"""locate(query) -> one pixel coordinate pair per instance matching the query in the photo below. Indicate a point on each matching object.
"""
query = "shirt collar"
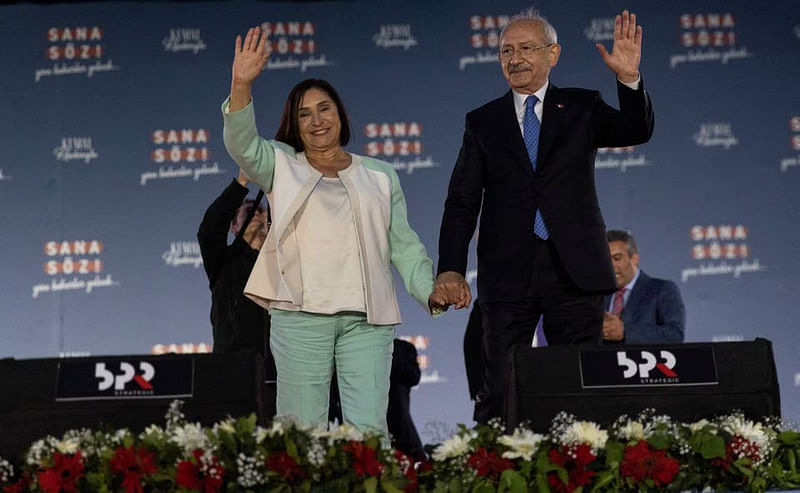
(519, 99)
(629, 286)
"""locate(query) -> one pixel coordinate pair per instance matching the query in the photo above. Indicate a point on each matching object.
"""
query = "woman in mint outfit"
(338, 225)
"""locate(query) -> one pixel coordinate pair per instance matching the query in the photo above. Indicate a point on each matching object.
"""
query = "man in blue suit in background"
(644, 309)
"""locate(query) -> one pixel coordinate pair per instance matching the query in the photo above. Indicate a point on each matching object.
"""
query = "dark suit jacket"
(653, 313)
(493, 176)
(405, 374)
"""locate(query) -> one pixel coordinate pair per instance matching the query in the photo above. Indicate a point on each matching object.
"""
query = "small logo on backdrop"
(429, 373)
(484, 39)
(601, 29)
(4, 176)
(112, 378)
(399, 143)
(620, 158)
(75, 149)
(180, 153)
(394, 36)
(182, 348)
(293, 46)
(73, 266)
(715, 134)
(184, 39)
(797, 31)
(797, 379)
(720, 250)
(709, 37)
(648, 367)
(664, 366)
(75, 50)
(182, 253)
(794, 144)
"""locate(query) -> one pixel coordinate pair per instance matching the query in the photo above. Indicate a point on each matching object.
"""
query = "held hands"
(626, 51)
(250, 56)
(613, 327)
(451, 289)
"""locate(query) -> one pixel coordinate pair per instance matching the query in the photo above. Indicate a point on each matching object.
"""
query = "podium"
(50, 396)
(599, 383)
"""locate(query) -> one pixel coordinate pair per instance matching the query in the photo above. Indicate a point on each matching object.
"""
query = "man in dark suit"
(526, 166)
(405, 374)
(644, 309)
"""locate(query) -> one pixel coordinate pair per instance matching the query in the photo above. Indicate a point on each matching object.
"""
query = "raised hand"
(249, 57)
(626, 52)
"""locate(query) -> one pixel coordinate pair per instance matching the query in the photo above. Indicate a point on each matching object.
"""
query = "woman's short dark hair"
(288, 131)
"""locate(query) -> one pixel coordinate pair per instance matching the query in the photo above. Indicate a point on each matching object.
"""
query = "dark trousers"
(571, 316)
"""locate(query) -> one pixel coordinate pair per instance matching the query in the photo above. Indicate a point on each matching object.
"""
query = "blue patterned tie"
(530, 134)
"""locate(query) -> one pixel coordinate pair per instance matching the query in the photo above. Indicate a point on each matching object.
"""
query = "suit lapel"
(554, 117)
(509, 128)
(639, 289)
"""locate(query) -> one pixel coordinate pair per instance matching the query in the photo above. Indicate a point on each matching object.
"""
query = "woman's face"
(318, 121)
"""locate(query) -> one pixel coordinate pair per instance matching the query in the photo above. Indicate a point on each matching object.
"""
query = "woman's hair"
(289, 133)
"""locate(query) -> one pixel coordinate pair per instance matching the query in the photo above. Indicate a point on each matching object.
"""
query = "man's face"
(624, 265)
(526, 72)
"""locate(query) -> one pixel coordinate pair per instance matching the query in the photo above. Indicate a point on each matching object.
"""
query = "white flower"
(699, 425)
(344, 432)
(585, 432)
(261, 434)
(455, 446)
(632, 430)
(523, 443)
(758, 436)
(68, 446)
(226, 426)
(189, 436)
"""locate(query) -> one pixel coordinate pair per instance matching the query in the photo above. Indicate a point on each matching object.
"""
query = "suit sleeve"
(462, 206)
(405, 368)
(212, 235)
(670, 318)
(631, 124)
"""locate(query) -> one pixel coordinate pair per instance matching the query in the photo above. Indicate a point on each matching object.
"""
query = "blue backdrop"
(111, 150)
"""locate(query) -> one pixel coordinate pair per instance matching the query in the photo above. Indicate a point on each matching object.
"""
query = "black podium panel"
(40, 397)
(720, 378)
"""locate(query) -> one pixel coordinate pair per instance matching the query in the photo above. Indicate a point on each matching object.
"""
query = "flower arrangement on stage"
(639, 454)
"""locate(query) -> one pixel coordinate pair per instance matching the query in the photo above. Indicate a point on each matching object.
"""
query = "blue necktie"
(530, 134)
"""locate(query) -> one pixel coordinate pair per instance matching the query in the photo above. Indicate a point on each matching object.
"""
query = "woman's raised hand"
(250, 56)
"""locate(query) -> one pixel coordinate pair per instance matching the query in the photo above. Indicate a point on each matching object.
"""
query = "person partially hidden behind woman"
(237, 323)
(338, 224)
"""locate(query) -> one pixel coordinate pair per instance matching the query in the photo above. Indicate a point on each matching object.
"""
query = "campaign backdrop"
(111, 150)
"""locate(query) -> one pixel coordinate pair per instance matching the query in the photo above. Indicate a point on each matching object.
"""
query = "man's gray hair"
(531, 14)
(625, 237)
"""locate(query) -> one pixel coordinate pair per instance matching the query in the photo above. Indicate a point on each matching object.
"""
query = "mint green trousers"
(307, 347)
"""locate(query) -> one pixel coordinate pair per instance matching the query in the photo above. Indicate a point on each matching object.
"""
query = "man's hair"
(625, 237)
(289, 132)
(241, 214)
(531, 14)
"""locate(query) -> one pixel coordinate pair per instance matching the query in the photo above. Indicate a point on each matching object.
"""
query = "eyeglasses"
(508, 52)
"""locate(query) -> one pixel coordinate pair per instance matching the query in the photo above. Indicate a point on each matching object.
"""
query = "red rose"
(365, 462)
(202, 474)
(20, 486)
(133, 465)
(575, 460)
(285, 465)
(64, 475)
(407, 466)
(488, 463)
(640, 462)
